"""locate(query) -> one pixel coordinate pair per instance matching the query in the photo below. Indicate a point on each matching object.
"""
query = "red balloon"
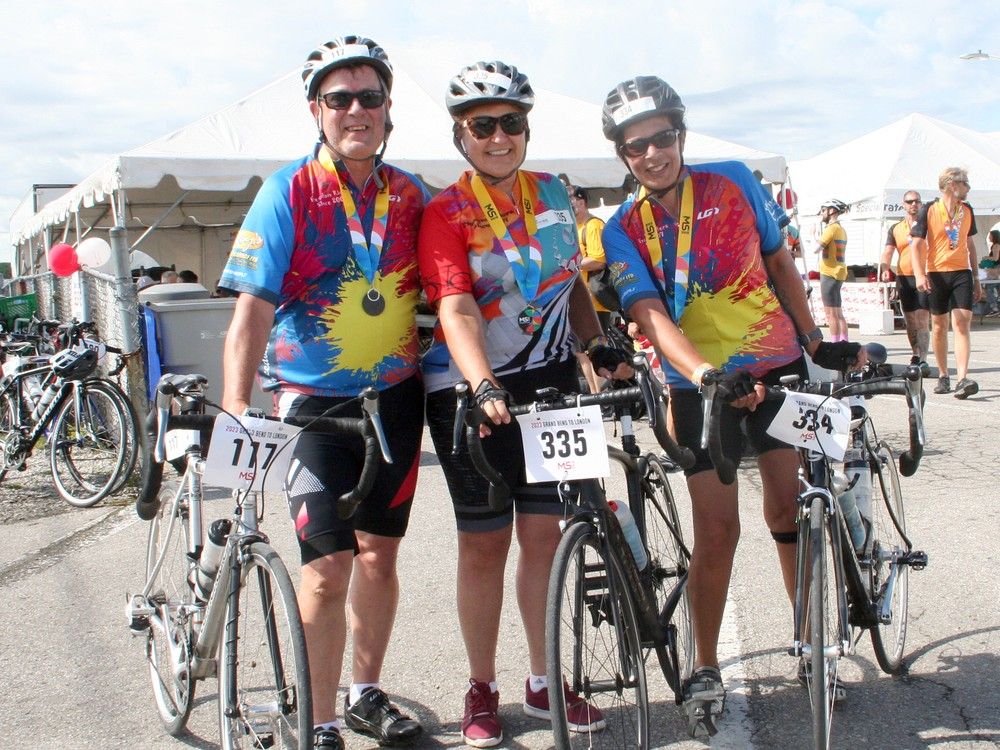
(787, 198)
(63, 260)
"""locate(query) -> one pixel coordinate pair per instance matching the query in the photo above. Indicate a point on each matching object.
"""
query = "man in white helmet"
(325, 268)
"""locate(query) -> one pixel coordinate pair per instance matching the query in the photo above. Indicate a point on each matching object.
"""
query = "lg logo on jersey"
(706, 213)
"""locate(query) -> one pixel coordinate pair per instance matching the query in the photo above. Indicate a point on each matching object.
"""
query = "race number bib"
(817, 423)
(176, 442)
(98, 347)
(564, 444)
(250, 456)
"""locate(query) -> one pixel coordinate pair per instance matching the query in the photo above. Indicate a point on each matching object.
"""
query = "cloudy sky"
(81, 83)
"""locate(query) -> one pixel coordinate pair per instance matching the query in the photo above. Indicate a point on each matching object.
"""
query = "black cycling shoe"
(327, 739)
(374, 716)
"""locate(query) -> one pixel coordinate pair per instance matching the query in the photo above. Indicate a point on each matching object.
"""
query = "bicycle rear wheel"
(168, 639)
(668, 565)
(889, 578)
(262, 660)
(821, 671)
(592, 642)
(132, 434)
(88, 448)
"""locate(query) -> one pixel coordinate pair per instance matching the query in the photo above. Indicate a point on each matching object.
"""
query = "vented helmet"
(638, 99)
(838, 206)
(346, 51)
(488, 83)
(73, 364)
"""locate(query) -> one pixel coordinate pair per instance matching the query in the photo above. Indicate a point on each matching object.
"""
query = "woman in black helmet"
(499, 258)
(702, 268)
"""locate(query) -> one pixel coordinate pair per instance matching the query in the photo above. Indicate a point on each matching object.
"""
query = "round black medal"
(530, 319)
(373, 302)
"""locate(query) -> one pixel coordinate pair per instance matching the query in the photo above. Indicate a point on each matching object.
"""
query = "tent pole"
(159, 220)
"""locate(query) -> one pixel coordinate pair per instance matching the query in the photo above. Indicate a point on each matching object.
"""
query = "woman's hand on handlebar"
(611, 362)
(492, 400)
(738, 389)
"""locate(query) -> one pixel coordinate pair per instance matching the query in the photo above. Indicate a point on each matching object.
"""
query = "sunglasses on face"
(911, 201)
(639, 146)
(483, 126)
(369, 99)
(961, 182)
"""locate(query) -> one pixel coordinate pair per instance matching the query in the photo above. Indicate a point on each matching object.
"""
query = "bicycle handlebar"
(548, 399)
(160, 420)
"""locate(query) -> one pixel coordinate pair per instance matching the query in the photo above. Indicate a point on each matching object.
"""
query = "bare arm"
(788, 286)
(591, 264)
(583, 320)
(886, 262)
(918, 250)
(977, 287)
(246, 341)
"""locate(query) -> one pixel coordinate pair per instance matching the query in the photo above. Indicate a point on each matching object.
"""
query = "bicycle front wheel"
(168, 639)
(264, 692)
(889, 578)
(132, 434)
(592, 643)
(668, 565)
(89, 445)
(821, 671)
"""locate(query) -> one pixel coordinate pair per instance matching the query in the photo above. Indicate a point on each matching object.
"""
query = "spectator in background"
(989, 269)
(144, 282)
(832, 268)
(944, 263)
(169, 277)
(188, 277)
(588, 230)
(912, 301)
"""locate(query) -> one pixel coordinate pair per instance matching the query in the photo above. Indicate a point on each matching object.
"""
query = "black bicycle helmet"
(487, 83)
(838, 206)
(72, 364)
(638, 99)
(345, 51)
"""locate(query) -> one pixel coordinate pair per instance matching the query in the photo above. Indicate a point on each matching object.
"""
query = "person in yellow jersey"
(832, 269)
(912, 301)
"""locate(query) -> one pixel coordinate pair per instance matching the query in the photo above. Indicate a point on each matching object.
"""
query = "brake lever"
(461, 408)
(369, 403)
(707, 403)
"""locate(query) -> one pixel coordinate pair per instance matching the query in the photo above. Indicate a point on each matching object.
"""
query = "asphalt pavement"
(71, 676)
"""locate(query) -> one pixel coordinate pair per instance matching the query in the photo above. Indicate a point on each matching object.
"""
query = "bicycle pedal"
(917, 559)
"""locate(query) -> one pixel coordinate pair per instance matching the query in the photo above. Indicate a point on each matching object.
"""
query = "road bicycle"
(845, 585)
(605, 613)
(83, 420)
(223, 604)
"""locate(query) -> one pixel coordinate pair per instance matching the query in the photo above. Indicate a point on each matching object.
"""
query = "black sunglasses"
(369, 99)
(639, 146)
(911, 201)
(483, 126)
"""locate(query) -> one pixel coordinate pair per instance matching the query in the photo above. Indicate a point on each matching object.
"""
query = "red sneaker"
(580, 715)
(481, 725)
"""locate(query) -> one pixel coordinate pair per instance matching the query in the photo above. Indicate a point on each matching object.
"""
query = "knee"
(376, 557)
(326, 580)
(780, 516)
(718, 536)
(483, 552)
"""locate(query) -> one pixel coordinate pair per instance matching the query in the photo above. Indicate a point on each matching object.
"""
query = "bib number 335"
(564, 444)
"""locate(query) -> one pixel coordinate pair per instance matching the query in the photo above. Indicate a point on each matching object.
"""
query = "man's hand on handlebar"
(840, 355)
(611, 362)
(492, 400)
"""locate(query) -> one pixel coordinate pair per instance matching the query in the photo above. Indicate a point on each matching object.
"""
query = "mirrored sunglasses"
(369, 99)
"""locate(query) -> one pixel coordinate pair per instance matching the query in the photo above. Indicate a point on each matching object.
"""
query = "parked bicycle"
(222, 603)
(853, 553)
(610, 605)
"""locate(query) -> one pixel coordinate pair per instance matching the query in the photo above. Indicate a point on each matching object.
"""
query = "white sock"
(538, 682)
(357, 688)
(335, 724)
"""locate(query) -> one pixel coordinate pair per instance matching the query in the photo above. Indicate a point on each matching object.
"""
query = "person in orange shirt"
(912, 301)
(944, 256)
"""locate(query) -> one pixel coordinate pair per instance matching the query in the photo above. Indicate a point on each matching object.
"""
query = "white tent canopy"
(202, 176)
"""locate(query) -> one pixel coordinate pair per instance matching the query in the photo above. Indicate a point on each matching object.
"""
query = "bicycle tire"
(264, 632)
(88, 450)
(669, 561)
(592, 641)
(132, 433)
(169, 637)
(889, 542)
(822, 673)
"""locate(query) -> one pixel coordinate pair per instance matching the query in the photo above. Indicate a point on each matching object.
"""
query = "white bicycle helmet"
(838, 206)
(487, 83)
(345, 51)
(74, 365)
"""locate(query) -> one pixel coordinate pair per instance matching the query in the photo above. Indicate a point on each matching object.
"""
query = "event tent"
(194, 185)
(872, 173)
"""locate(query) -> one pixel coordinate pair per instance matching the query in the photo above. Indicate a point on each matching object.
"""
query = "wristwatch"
(814, 335)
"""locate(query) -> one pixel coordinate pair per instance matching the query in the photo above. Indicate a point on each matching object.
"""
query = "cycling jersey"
(295, 250)
(834, 242)
(899, 238)
(946, 236)
(730, 313)
(459, 252)
(589, 234)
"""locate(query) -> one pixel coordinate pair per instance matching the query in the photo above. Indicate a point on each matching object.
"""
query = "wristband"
(699, 373)
(595, 341)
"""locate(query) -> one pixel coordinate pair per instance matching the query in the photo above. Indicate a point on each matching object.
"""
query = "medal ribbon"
(367, 254)
(526, 263)
(685, 232)
(952, 224)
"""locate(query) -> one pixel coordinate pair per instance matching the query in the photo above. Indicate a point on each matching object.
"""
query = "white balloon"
(93, 252)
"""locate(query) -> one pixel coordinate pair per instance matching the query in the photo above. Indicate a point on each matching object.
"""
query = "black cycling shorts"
(911, 299)
(326, 466)
(950, 290)
(829, 290)
(468, 489)
(685, 413)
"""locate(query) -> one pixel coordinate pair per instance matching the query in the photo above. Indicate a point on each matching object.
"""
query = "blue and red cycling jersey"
(730, 314)
(294, 250)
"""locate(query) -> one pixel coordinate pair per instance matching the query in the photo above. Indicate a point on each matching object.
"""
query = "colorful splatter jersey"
(294, 249)
(460, 253)
(731, 314)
